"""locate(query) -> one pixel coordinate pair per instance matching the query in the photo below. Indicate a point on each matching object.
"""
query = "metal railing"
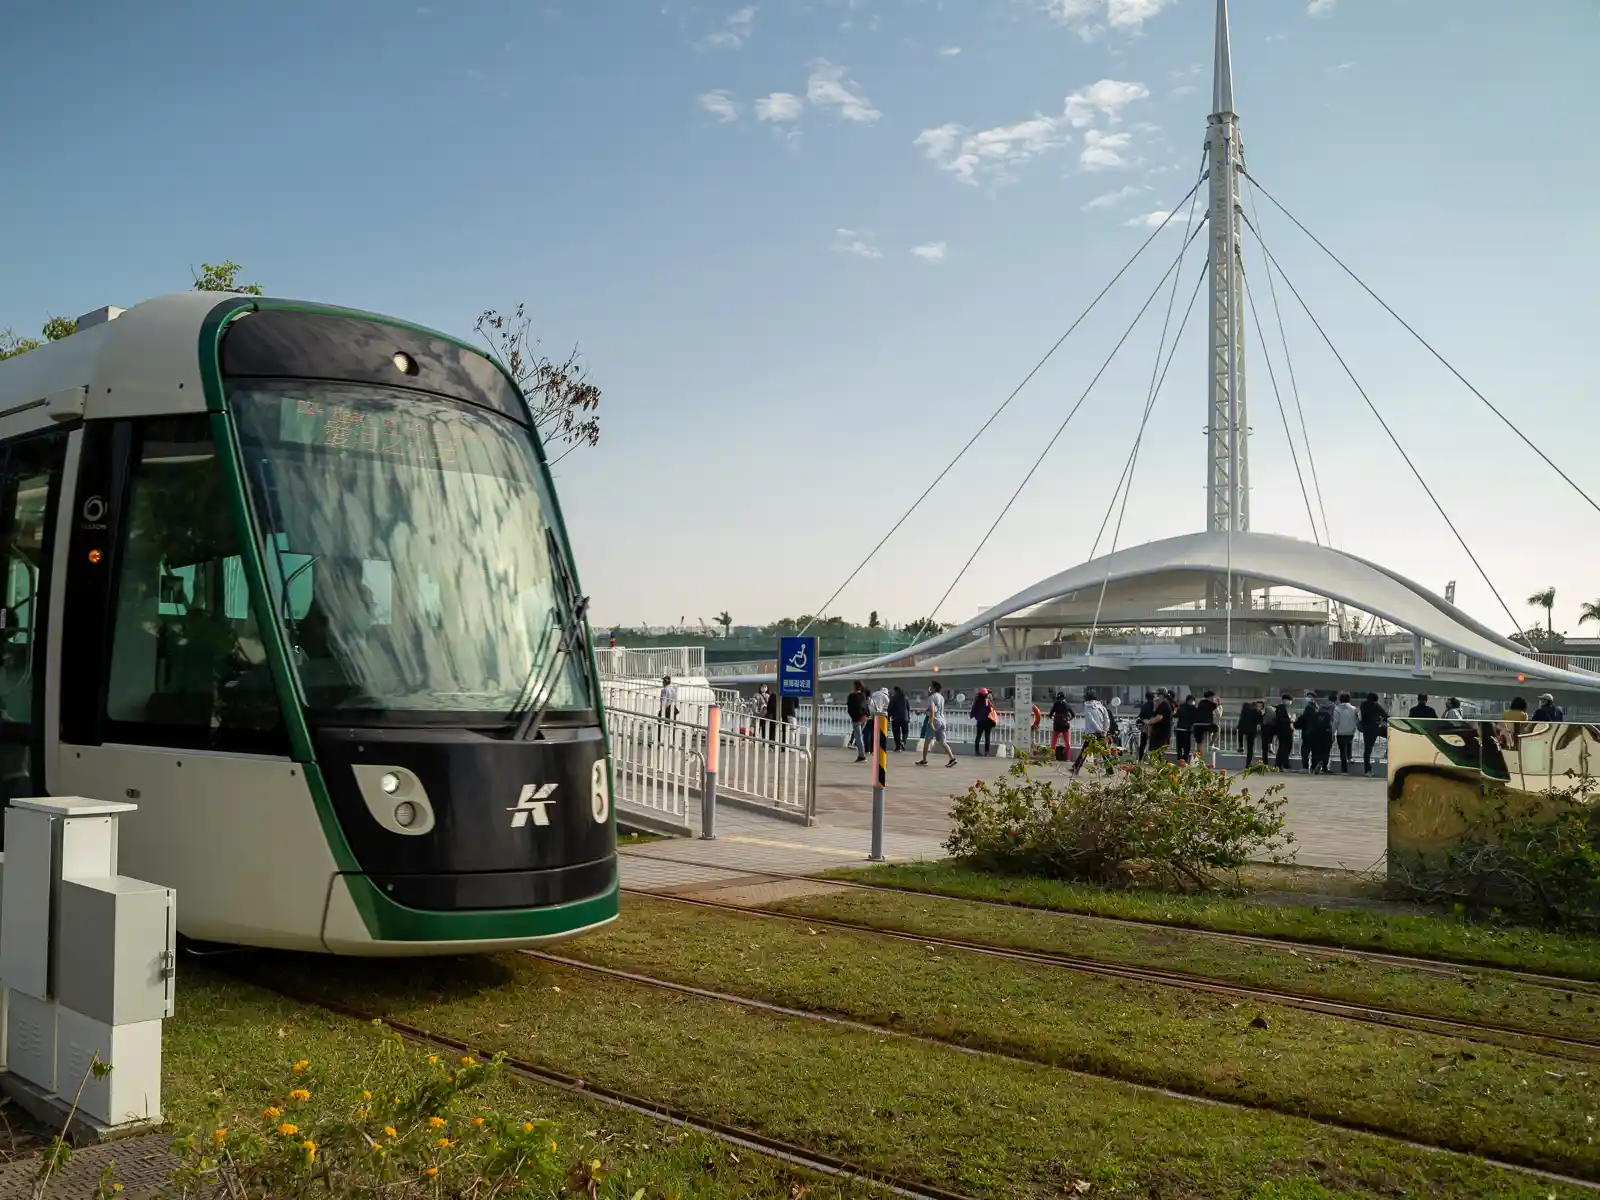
(627, 662)
(659, 765)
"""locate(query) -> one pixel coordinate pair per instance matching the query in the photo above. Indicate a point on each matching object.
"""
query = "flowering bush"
(411, 1131)
(1158, 822)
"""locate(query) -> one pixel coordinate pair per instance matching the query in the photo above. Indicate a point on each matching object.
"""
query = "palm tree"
(1547, 601)
(1590, 611)
(724, 620)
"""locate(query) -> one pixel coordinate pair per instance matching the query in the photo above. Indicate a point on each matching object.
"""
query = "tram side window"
(187, 659)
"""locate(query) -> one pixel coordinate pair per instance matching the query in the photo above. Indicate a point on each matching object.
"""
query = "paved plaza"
(1338, 821)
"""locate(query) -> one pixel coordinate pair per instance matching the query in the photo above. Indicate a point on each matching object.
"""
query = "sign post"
(880, 780)
(708, 790)
(797, 677)
(1022, 708)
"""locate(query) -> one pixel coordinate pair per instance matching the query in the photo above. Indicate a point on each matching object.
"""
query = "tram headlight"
(390, 783)
(405, 813)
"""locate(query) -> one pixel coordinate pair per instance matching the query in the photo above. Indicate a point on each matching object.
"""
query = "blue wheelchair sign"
(797, 667)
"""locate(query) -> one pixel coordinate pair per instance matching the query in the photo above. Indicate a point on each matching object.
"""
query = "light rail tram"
(293, 579)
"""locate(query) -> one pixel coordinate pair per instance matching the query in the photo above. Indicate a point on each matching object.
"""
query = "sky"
(807, 247)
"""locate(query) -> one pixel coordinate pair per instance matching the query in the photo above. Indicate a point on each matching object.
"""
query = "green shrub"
(1153, 822)
(1532, 857)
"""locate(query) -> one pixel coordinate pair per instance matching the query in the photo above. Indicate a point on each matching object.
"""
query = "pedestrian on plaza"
(877, 706)
(1548, 710)
(1303, 724)
(1283, 729)
(933, 710)
(985, 718)
(1374, 725)
(669, 699)
(762, 710)
(1188, 714)
(1033, 730)
(1424, 711)
(1517, 713)
(899, 718)
(1061, 728)
(1252, 717)
(855, 705)
(1452, 709)
(1159, 727)
(1147, 712)
(1205, 724)
(1239, 726)
(1346, 720)
(1096, 724)
(1322, 731)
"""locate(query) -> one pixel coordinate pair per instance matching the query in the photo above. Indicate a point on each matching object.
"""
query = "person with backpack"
(1061, 728)
(1205, 723)
(899, 718)
(855, 705)
(1096, 724)
(1252, 717)
(985, 718)
(1283, 726)
(1374, 725)
(1188, 714)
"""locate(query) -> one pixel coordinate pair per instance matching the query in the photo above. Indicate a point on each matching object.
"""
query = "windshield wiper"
(571, 628)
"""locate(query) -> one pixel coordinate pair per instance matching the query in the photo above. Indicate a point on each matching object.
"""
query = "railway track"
(1448, 967)
(1483, 1032)
(749, 1140)
(852, 1023)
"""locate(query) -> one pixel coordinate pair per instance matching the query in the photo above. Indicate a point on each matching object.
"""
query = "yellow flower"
(527, 1127)
(377, 1147)
(366, 1095)
(361, 1112)
(288, 1130)
(552, 1146)
(431, 1172)
(389, 1130)
(435, 1122)
(446, 1142)
(218, 1136)
(300, 1094)
(301, 1065)
(311, 1152)
(468, 1060)
(477, 1120)
(272, 1113)
(433, 1059)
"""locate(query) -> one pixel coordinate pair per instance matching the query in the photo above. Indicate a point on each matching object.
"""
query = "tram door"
(30, 490)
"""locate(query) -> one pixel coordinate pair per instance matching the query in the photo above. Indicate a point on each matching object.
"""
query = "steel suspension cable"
(1060, 429)
(1026, 379)
(1289, 283)
(1157, 376)
(1428, 346)
(1133, 460)
(1272, 375)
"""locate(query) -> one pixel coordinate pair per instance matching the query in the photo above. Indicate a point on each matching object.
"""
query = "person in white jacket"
(1346, 720)
(877, 706)
(1096, 724)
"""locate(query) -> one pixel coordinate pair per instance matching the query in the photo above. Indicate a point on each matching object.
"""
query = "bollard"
(708, 791)
(880, 779)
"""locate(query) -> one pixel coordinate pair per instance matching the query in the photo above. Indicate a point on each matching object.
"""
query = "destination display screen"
(418, 434)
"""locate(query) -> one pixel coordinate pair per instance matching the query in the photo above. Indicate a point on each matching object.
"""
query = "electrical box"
(131, 1090)
(117, 949)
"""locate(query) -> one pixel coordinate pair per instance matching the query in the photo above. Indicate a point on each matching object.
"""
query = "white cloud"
(1112, 199)
(949, 51)
(1341, 68)
(989, 151)
(1149, 220)
(1320, 8)
(998, 151)
(1090, 18)
(1276, 37)
(720, 104)
(858, 242)
(735, 31)
(828, 87)
(931, 252)
(1186, 89)
(1103, 151)
(780, 106)
(1106, 98)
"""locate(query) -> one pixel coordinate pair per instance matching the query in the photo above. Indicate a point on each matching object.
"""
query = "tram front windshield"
(407, 553)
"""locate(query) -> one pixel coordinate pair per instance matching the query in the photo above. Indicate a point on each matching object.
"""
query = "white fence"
(659, 765)
(633, 662)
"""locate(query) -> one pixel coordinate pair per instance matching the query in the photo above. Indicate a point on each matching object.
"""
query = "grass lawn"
(984, 1126)
(1467, 993)
(1506, 1103)
(1512, 947)
(233, 1044)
